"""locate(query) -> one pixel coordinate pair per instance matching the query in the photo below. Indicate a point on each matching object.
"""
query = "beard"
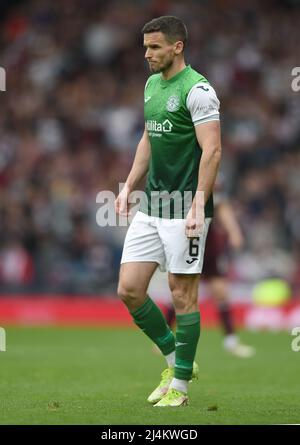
(158, 68)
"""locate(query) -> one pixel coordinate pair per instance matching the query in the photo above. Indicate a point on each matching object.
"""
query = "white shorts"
(164, 241)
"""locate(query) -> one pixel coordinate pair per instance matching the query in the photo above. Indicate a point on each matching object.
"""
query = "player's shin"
(151, 320)
(187, 337)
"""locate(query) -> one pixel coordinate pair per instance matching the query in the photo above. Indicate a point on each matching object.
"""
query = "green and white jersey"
(172, 108)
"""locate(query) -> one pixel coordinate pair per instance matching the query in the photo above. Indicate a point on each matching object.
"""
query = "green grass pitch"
(103, 376)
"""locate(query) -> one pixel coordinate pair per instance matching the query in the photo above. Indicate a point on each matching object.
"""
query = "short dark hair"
(172, 27)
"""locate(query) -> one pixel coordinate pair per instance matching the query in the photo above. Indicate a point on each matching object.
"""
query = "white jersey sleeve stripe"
(212, 117)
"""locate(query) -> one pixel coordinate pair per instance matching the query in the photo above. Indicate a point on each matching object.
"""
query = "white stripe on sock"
(170, 359)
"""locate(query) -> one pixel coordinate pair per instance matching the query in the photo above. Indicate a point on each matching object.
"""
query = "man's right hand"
(122, 207)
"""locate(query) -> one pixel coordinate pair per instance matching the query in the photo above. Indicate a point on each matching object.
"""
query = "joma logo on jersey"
(165, 127)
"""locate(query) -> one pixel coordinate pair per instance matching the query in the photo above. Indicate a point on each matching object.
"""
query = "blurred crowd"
(72, 115)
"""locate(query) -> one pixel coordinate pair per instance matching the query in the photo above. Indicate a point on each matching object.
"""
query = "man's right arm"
(137, 173)
(140, 164)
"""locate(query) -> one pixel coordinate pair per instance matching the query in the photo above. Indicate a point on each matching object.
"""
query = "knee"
(219, 299)
(130, 295)
(218, 290)
(184, 300)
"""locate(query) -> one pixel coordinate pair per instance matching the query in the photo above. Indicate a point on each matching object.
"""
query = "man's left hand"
(194, 223)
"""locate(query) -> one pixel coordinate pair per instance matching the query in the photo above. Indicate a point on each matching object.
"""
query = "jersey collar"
(165, 82)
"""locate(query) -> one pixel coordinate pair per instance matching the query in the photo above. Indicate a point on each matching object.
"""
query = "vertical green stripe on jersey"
(175, 152)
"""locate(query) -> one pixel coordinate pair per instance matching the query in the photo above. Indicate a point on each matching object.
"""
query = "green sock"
(187, 336)
(150, 319)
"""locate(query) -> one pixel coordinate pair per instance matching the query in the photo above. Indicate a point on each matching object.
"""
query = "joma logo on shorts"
(165, 127)
(191, 261)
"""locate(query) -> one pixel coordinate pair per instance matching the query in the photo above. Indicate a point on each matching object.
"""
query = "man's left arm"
(203, 104)
(209, 139)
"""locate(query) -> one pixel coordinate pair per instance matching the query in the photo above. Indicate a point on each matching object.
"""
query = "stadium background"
(70, 119)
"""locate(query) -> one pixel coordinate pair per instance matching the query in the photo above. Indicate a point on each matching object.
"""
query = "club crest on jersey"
(173, 103)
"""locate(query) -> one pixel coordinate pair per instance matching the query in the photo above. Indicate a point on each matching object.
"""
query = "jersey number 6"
(194, 247)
